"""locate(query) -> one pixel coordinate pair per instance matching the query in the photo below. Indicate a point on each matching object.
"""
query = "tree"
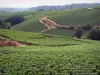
(94, 34)
(5, 25)
(16, 19)
(70, 7)
(78, 32)
(40, 10)
(87, 27)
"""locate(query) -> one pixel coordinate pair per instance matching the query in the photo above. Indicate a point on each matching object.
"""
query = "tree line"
(11, 21)
(93, 34)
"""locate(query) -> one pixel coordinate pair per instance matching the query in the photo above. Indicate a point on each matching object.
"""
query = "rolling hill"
(73, 17)
(40, 53)
(79, 17)
(48, 54)
(38, 39)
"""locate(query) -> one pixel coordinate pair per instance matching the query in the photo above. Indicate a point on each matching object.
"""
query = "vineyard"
(38, 39)
(49, 52)
(49, 55)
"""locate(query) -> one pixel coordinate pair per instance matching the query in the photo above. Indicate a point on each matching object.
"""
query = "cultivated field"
(37, 46)
(49, 55)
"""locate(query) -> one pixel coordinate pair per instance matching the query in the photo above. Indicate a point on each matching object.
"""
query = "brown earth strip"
(7, 42)
(10, 43)
(50, 24)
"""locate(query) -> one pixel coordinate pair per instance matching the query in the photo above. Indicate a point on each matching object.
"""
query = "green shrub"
(16, 19)
(86, 27)
(78, 32)
(5, 25)
(94, 34)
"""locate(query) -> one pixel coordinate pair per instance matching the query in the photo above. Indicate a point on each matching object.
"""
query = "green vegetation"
(16, 19)
(60, 32)
(78, 32)
(46, 54)
(73, 17)
(31, 23)
(94, 34)
(78, 17)
(74, 57)
(86, 27)
(38, 39)
(5, 25)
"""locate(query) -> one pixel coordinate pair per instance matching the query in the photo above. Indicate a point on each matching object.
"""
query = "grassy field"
(52, 55)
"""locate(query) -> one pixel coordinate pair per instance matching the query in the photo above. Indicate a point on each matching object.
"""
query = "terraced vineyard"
(49, 55)
(37, 39)
(78, 17)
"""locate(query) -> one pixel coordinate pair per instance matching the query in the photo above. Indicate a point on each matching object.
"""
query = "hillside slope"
(38, 39)
(49, 55)
(72, 17)
(78, 17)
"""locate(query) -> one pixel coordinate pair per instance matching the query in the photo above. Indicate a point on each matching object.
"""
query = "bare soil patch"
(50, 24)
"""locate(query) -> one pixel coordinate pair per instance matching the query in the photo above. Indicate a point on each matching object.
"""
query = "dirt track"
(10, 43)
(50, 24)
(7, 42)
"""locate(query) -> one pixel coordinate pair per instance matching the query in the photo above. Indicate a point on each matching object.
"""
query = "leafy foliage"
(86, 27)
(94, 34)
(78, 32)
(5, 25)
(16, 19)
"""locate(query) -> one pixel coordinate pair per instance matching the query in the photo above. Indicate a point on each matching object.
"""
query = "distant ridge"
(12, 9)
(64, 7)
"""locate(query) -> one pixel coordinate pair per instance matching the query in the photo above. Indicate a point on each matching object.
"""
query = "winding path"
(50, 24)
